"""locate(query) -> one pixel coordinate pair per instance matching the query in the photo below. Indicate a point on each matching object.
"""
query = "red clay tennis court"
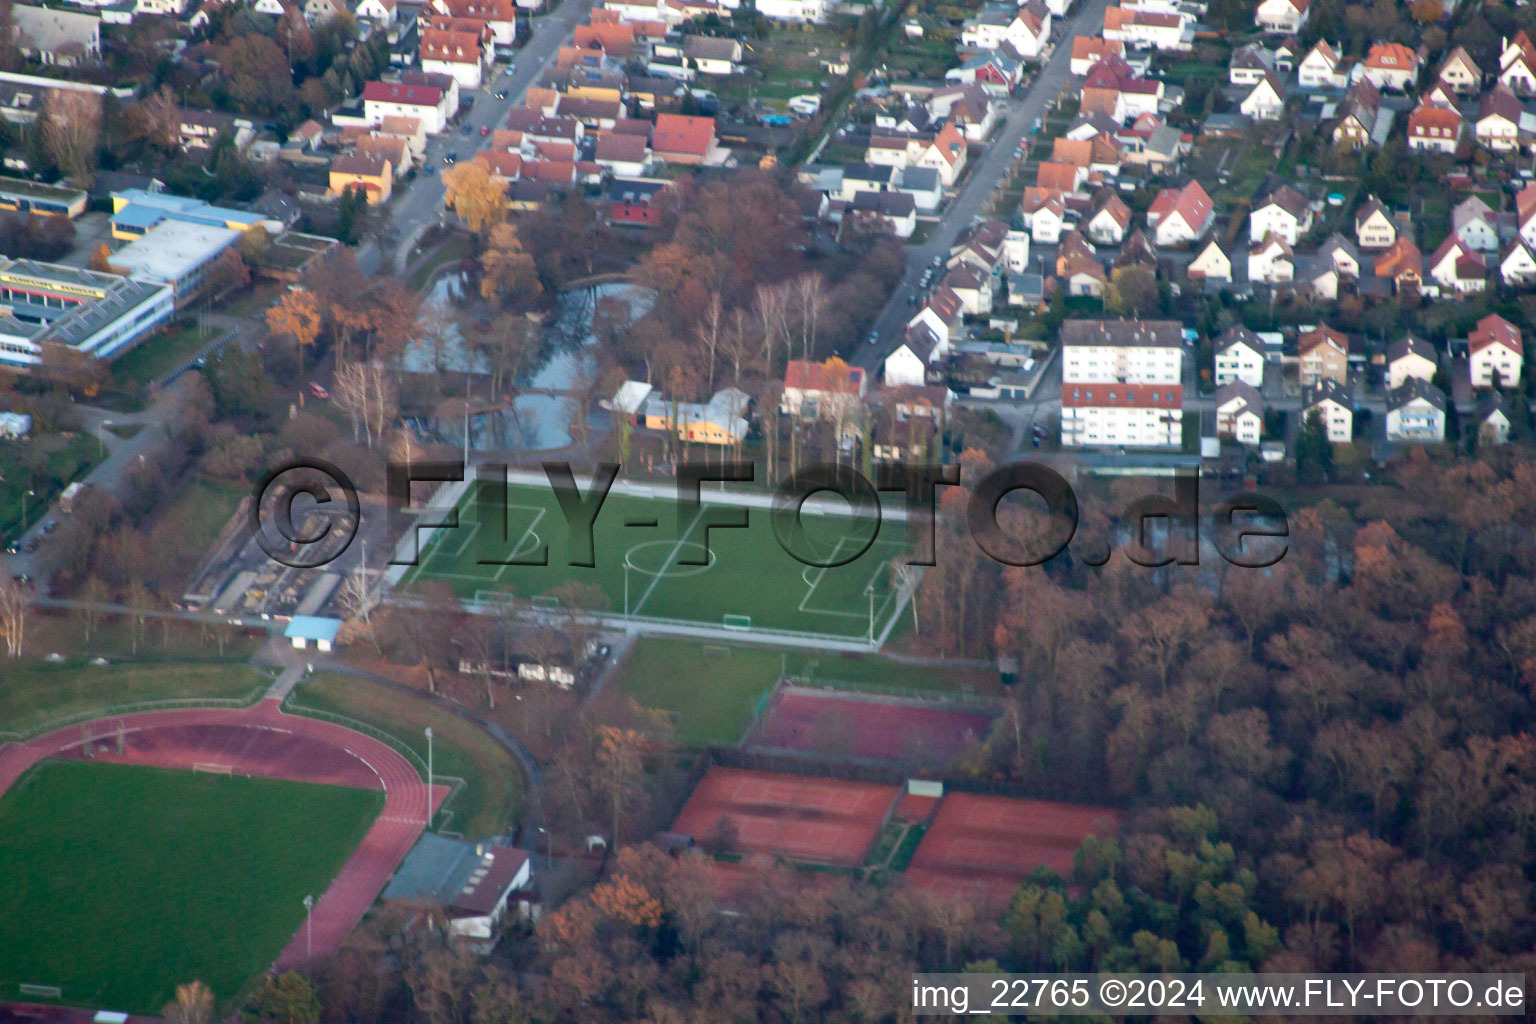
(815, 820)
(984, 846)
(869, 727)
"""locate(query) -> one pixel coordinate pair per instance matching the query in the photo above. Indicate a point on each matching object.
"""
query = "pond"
(531, 422)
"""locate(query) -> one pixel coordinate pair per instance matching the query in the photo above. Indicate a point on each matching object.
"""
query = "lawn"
(491, 798)
(34, 695)
(122, 882)
(711, 690)
(785, 594)
(157, 356)
(200, 512)
(45, 465)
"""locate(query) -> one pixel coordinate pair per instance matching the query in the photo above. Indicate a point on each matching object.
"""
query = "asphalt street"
(985, 173)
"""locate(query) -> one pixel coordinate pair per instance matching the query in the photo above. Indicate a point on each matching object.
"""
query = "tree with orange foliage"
(297, 314)
(624, 899)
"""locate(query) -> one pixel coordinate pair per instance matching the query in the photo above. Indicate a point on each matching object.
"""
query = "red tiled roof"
(676, 133)
(809, 376)
(1123, 396)
(394, 92)
(450, 47)
(1495, 330)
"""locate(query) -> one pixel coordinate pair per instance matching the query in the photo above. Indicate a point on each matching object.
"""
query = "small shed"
(316, 629)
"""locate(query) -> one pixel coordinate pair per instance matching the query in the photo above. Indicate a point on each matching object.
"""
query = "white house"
(1266, 101)
(1473, 222)
(1498, 120)
(1286, 16)
(1179, 216)
(1109, 222)
(1239, 357)
(1492, 419)
(1374, 226)
(1416, 412)
(1456, 266)
(1271, 262)
(1249, 65)
(1212, 264)
(1410, 358)
(1517, 264)
(1284, 213)
(908, 364)
(803, 11)
(1322, 68)
(428, 104)
(1391, 66)
(1496, 354)
(1332, 404)
(380, 12)
(1239, 412)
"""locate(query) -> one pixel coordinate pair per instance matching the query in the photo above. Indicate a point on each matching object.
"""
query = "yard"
(44, 465)
(491, 798)
(41, 693)
(159, 355)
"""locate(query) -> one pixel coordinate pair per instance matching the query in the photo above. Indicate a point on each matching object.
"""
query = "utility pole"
(309, 928)
(429, 776)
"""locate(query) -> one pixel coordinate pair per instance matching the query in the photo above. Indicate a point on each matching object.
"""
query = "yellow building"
(372, 173)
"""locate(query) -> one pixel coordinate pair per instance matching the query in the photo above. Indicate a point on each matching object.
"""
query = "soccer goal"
(545, 602)
(40, 991)
(738, 622)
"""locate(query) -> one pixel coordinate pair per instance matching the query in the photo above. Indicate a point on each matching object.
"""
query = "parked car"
(874, 336)
(466, 128)
(50, 526)
(485, 130)
(318, 391)
(501, 94)
(450, 157)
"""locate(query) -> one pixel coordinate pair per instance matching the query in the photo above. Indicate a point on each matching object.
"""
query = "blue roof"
(312, 627)
(138, 216)
(435, 870)
(183, 208)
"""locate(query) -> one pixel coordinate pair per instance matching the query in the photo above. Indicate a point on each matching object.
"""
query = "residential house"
(1461, 73)
(1212, 264)
(318, 12)
(1324, 354)
(1137, 253)
(1318, 275)
(1109, 222)
(1239, 357)
(397, 152)
(1060, 177)
(1362, 120)
(1474, 223)
(1286, 16)
(373, 174)
(1495, 353)
(713, 55)
(1410, 358)
(923, 185)
(1090, 50)
(997, 71)
(1322, 68)
(1272, 261)
(1287, 54)
(861, 177)
(51, 35)
(804, 12)
(680, 139)
(967, 107)
(1341, 254)
(623, 156)
(1402, 264)
(1331, 402)
(1045, 215)
(200, 130)
(1026, 28)
(1492, 419)
(1434, 128)
(1180, 215)
(1266, 100)
(428, 105)
(1456, 266)
(814, 391)
(895, 210)
(1525, 214)
(1517, 263)
(908, 363)
(1121, 383)
(945, 154)
(1149, 29)
(1391, 66)
(1416, 412)
(636, 201)
(1517, 64)
(973, 287)
(1284, 213)
(465, 55)
(1498, 120)
(1249, 65)
(1374, 226)
(1239, 412)
(721, 420)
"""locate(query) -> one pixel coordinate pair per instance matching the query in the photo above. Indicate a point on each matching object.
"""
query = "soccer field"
(122, 882)
(641, 549)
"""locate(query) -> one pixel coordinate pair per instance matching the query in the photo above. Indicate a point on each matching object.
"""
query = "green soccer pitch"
(122, 882)
(751, 582)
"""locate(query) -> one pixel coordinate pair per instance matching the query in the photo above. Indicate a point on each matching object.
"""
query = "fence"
(133, 707)
(966, 695)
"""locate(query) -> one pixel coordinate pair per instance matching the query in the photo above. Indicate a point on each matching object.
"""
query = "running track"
(262, 741)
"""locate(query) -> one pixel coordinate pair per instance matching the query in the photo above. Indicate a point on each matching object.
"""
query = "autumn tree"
(507, 272)
(156, 120)
(298, 315)
(72, 131)
(475, 195)
(15, 607)
(617, 770)
(193, 1005)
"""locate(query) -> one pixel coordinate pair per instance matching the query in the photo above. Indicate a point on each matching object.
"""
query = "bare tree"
(709, 337)
(359, 596)
(140, 601)
(15, 605)
(771, 301)
(71, 132)
(367, 395)
(811, 295)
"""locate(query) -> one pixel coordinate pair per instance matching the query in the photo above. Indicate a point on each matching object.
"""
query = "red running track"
(264, 742)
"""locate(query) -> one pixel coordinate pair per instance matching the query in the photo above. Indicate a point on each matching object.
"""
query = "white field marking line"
(864, 613)
(439, 550)
(671, 557)
(836, 548)
(517, 549)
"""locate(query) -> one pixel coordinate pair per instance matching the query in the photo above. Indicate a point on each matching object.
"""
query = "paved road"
(419, 208)
(976, 192)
